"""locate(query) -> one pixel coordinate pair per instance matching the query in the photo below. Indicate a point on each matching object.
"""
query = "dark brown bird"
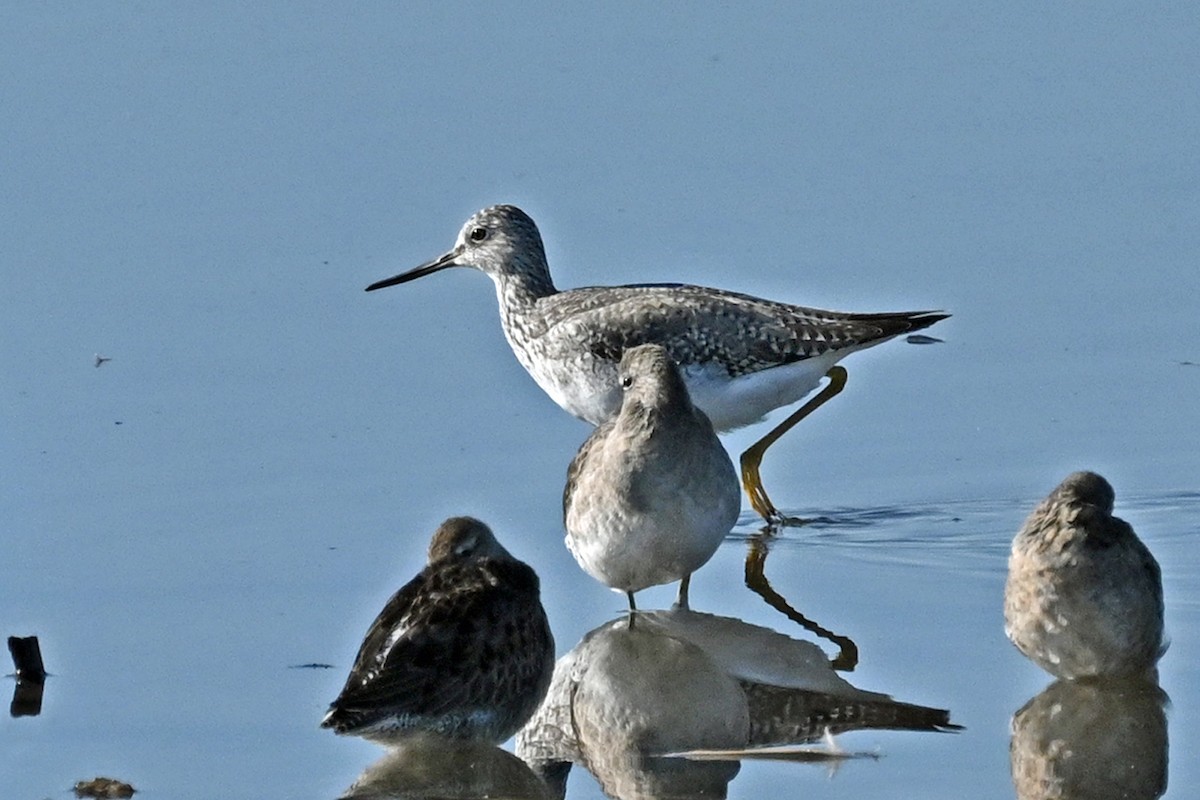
(464, 650)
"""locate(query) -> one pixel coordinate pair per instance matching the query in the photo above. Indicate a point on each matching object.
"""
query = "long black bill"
(440, 263)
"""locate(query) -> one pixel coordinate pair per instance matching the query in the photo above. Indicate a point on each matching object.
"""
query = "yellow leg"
(756, 580)
(752, 458)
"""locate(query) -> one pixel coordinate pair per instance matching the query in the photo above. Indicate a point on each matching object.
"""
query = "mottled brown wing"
(449, 622)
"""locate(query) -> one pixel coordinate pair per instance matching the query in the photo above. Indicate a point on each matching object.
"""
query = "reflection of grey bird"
(624, 697)
(652, 493)
(681, 681)
(781, 716)
(464, 650)
(1084, 595)
(793, 692)
(1093, 738)
(742, 357)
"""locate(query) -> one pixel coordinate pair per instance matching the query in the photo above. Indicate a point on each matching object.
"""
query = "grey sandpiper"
(651, 493)
(463, 650)
(1084, 594)
(741, 356)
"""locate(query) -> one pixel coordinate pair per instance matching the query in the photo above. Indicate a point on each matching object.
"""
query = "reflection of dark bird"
(742, 357)
(1091, 739)
(463, 650)
(652, 493)
(1084, 595)
(447, 769)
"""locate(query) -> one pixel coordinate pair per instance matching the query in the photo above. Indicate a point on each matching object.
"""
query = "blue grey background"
(201, 193)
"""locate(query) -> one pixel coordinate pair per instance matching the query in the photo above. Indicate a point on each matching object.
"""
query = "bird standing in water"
(741, 357)
(651, 493)
(1084, 594)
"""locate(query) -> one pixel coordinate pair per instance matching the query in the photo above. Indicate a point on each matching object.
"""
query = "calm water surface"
(181, 683)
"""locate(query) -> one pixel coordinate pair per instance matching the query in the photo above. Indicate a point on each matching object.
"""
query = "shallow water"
(203, 684)
(202, 194)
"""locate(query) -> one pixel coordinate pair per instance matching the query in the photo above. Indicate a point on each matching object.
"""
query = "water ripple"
(965, 535)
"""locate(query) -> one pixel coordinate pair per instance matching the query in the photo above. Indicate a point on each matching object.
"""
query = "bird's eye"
(478, 234)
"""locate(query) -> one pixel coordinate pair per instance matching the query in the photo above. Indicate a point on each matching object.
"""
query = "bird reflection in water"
(670, 706)
(430, 766)
(1095, 738)
(1084, 601)
(1084, 594)
(756, 580)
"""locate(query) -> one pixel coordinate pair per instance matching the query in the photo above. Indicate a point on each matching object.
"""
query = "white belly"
(734, 402)
(642, 513)
(592, 394)
(629, 552)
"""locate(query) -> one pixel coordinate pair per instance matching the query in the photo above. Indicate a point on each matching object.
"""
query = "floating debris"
(26, 699)
(103, 787)
(27, 657)
(920, 338)
(101, 359)
(30, 675)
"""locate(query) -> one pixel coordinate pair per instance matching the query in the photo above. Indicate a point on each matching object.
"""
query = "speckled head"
(1086, 487)
(498, 241)
(464, 539)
